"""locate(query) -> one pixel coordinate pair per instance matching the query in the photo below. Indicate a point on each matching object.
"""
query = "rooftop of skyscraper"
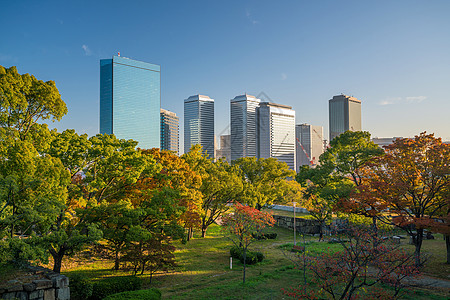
(198, 97)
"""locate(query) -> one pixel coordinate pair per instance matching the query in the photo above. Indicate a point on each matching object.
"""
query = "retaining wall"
(39, 284)
(306, 226)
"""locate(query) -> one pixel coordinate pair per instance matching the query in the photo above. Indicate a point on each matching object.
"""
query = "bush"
(113, 285)
(252, 257)
(265, 236)
(151, 294)
(235, 252)
(80, 287)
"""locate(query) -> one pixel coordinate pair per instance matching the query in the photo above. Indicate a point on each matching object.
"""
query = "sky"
(392, 55)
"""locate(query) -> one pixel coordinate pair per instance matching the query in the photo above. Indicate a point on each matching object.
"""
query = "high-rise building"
(130, 100)
(276, 136)
(344, 114)
(225, 148)
(309, 144)
(169, 131)
(243, 126)
(199, 123)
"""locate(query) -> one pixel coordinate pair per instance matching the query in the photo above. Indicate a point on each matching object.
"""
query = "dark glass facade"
(130, 100)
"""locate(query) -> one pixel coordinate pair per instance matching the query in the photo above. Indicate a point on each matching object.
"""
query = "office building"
(130, 100)
(344, 114)
(169, 131)
(199, 123)
(225, 148)
(381, 142)
(309, 145)
(243, 126)
(276, 136)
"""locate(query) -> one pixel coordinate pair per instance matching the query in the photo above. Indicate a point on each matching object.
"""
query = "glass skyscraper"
(130, 100)
(345, 114)
(199, 123)
(243, 126)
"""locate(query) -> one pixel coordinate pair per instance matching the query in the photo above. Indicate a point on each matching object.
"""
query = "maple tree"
(407, 187)
(357, 271)
(244, 223)
(177, 174)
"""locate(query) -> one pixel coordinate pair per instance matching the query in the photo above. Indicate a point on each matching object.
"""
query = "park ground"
(203, 270)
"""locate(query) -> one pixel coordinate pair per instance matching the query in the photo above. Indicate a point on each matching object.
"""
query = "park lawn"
(436, 253)
(203, 270)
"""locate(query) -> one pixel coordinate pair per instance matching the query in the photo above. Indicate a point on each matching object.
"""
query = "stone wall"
(306, 226)
(38, 284)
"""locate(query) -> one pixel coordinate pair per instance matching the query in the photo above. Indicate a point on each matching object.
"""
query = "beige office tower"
(344, 115)
(276, 137)
(169, 131)
(309, 145)
(225, 150)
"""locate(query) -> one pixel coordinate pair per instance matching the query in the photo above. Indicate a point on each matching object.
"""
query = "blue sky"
(393, 55)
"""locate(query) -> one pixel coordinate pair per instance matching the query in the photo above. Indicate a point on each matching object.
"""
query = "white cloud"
(403, 100)
(86, 49)
(416, 99)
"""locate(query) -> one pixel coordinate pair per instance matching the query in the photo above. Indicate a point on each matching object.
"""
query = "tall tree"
(24, 101)
(411, 180)
(220, 185)
(347, 154)
(264, 180)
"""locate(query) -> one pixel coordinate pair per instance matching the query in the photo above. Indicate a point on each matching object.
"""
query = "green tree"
(24, 101)
(32, 184)
(345, 158)
(264, 181)
(220, 185)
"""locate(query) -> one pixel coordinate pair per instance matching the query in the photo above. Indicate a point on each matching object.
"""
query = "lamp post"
(295, 243)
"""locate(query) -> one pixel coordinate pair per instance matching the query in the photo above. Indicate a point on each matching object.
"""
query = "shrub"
(114, 285)
(80, 287)
(252, 257)
(265, 236)
(235, 252)
(151, 294)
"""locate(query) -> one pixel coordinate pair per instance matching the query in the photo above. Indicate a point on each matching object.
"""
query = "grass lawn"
(203, 270)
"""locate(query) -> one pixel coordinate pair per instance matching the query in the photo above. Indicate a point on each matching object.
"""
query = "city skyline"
(395, 60)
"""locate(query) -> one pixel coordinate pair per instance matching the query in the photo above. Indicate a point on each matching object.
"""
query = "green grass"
(203, 270)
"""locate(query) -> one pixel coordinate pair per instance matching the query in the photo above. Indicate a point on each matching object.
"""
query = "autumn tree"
(221, 184)
(409, 185)
(264, 181)
(358, 270)
(244, 224)
(177, 174)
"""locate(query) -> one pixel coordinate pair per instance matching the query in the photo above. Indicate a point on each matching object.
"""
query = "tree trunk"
(57, 260)
(203, 231)
(418, 244)
(321, 231)
(116, 260)
(447, 242)
(245, 262)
